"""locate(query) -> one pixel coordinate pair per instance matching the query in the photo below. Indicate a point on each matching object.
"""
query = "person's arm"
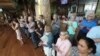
(37, 32)
(93, 25)
(65, 22)
(56, 45)
(75, 25)
(14, 27)
(96, 40)
(81, 25)
(66, 50)
(50, 40)
(44, 22)
(40, 43)
(32, 26)
(52, 22)
(18, 20)
(43, 39)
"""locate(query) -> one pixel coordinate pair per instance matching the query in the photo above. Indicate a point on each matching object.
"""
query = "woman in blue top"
(86, 24)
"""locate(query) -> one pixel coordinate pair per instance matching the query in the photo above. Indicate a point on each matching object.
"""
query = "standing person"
(15, 26)
(46, 41)
(55, 27)
(31, 29)
(63, 45)
(72, 26)
(39, 29)
(94, 34)
(23, 23)
(42, 20)
(86, 24)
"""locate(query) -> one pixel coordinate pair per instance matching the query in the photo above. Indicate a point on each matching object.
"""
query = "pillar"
(42, 7)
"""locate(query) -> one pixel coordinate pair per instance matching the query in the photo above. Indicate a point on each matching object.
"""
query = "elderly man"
(94, 34)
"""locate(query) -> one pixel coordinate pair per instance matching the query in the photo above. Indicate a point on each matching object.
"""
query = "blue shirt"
(95, 33)
(56, 26)
(88, 24)
(48, 39)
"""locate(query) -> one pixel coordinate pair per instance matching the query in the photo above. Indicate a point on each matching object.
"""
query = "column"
(42, 7)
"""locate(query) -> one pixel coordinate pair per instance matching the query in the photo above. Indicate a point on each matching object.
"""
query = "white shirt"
(31, 27)
(95, 33)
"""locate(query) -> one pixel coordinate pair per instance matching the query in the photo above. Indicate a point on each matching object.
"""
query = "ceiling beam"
(4, 5)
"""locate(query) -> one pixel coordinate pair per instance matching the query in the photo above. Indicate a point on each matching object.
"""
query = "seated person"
(94, 34)
(86, 24)
(85, 47)
(63, 45)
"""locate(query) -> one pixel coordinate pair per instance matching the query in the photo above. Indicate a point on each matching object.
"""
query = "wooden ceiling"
(6, 4)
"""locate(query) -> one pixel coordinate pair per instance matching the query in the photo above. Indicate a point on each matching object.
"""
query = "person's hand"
(52, 22)
(81, 27)
(35, 30)
(87, 28)
(41, 44)
(10, 24)
(55, 47)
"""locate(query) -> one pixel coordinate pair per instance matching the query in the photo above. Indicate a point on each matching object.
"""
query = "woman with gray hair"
(87, 23)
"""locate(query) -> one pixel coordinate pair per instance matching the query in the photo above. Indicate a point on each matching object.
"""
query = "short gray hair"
(90, 13)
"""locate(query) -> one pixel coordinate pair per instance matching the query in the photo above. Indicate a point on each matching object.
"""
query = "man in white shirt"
(94, 34)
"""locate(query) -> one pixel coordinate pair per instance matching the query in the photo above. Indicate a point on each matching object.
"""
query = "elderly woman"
(86, 24)
(63, 45)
